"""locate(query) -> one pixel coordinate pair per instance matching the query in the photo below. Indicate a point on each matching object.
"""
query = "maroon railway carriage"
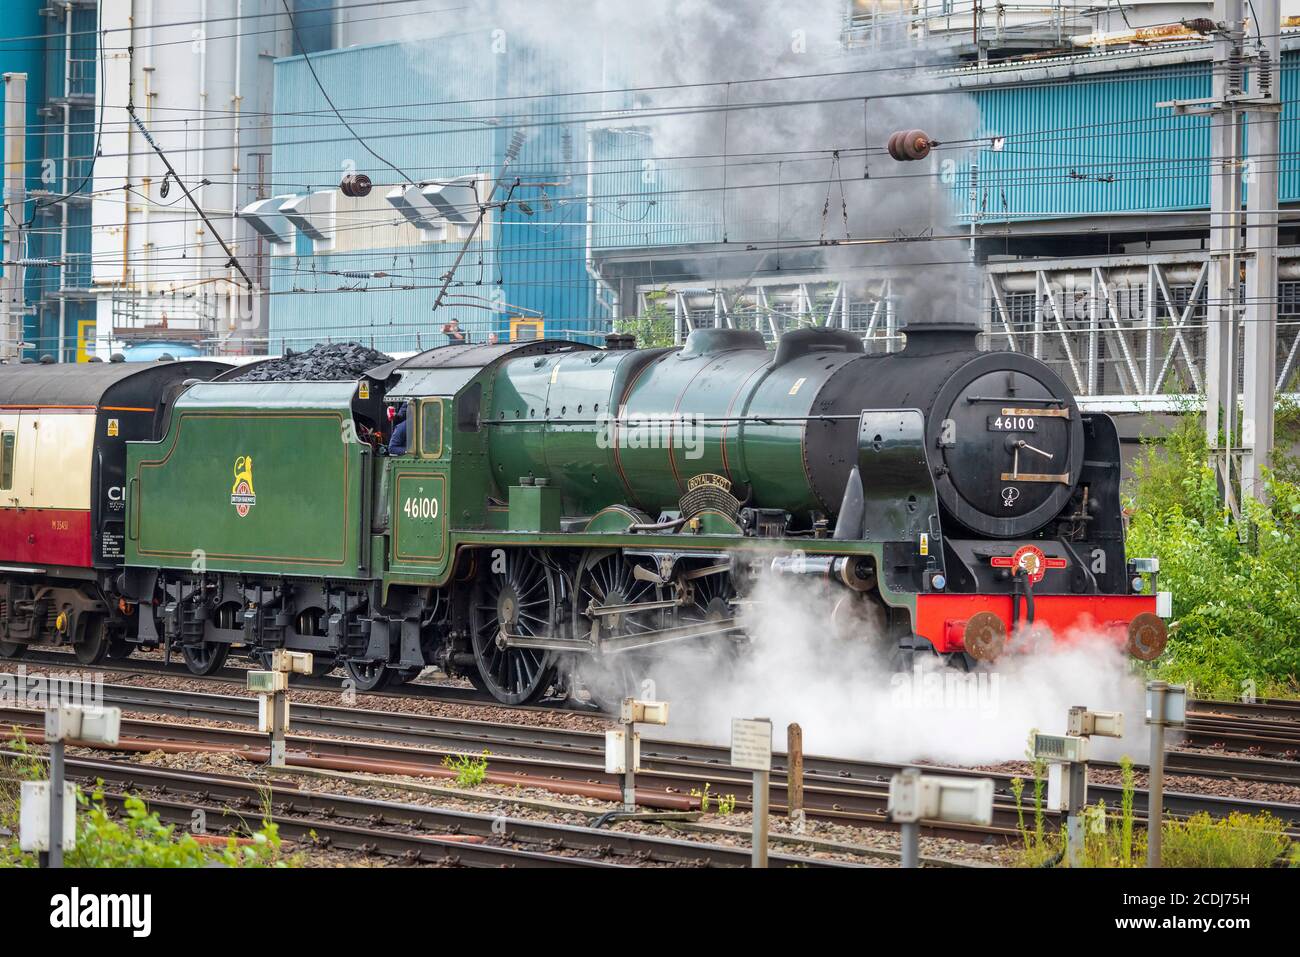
(63, 435)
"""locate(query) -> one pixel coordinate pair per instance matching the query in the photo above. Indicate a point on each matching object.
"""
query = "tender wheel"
(368, 675)
(403, 675)
(321, 665)
(205, 658)
(91, 646)
(521, 599)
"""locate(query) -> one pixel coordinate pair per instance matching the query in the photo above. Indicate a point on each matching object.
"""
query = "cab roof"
(448, 369)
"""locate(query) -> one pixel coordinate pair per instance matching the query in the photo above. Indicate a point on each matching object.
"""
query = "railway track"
(1265, 728)
(411, 833)
(414, 744)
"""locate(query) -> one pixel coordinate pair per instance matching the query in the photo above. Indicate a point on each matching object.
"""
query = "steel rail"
(289, 804)
(835, 789)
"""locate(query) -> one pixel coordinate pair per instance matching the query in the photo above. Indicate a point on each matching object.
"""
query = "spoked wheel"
(610, 679)
(711, 600)
(520, 599)
(91, 645)
(368, 675)
(716, 654)
(205, 657)
(607, 582)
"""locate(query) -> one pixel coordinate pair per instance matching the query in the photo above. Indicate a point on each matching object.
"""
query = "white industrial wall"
(205, 94)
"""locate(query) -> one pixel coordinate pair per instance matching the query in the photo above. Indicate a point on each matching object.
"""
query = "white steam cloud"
(844, 692)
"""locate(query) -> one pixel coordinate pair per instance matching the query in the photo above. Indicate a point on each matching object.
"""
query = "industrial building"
(504, 200)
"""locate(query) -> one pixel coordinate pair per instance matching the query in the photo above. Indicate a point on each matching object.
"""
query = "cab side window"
(431, 428)
(8, 441)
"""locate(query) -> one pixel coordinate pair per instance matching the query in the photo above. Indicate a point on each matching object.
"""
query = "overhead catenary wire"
(363, 226)
(325, 93)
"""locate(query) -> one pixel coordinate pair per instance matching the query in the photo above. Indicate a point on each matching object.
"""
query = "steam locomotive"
(561, 506)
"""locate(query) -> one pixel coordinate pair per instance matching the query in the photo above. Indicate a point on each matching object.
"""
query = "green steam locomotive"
(561, 508)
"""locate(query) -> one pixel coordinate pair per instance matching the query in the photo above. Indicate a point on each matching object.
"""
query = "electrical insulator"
(907, 145)
(356, 185)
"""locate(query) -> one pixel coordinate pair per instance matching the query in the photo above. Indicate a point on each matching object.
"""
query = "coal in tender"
(323, 363)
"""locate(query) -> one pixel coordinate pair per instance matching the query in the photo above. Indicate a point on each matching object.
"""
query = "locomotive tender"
(561, 504)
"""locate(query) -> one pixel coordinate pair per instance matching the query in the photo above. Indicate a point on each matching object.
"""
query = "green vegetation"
(1236, 591)
(135, 838)
(470, 771)
(725, 803)
(1239, 840)
(705, 796)
(653, 328)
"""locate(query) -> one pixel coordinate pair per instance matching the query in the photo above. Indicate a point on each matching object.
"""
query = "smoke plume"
(759, 110)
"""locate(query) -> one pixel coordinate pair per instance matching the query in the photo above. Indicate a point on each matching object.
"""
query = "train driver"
(397, 443)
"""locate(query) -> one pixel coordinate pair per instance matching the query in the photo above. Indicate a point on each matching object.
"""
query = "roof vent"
(47, 360)
(117, 357)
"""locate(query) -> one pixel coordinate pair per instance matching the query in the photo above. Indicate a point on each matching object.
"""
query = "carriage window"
(431, 428)
(7, 460)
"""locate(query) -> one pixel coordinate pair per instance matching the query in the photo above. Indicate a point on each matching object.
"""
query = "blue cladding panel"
(1093, 146)
(531, 263)
(639, 199)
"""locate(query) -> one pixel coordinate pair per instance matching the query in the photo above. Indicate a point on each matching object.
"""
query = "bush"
(1235, 586)
(140, 839)
(1239, 840)
(137, 839)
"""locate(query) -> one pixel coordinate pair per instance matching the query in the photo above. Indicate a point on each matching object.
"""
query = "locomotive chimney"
(931, 338)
